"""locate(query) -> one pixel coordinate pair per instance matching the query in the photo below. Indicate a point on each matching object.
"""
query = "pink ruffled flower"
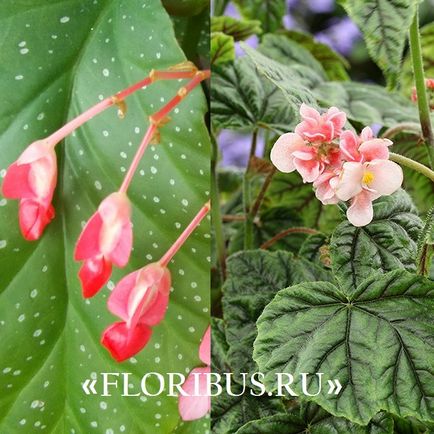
(32, 179)
(363, 182)
(315, 127)
(291, 152)
(140, 299)
(325, 187)
(195, 401)
(105, 240)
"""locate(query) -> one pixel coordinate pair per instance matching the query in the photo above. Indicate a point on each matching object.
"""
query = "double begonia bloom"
(140, 300)
(315, 127)
(291, 152)
(195, 402)
(32, 179)
(105, 240)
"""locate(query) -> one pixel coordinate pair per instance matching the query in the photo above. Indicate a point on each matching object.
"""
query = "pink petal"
(121, 252)
(43, 176)
(351, 181)
(16, 182)
(388, 176)
(193, 407)
(33, 218)
(281, 153)
(366, 134)
(94, 274)
(117, 303)
(360, 213)
(88, 243)
(205, 347)
(124, 343)
(156, 312)
(349, 144)
(375, 149)
(306, 153)
(309, 113)
(309, 170)
(337, 118)
(35, 151)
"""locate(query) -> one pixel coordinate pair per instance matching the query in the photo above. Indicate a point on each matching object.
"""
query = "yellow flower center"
(368, 177)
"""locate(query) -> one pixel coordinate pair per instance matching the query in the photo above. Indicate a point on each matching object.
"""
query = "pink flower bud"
(32, 179)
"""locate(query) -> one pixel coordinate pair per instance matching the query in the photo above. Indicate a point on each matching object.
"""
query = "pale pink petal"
(118, 300)
(374, 149)
(121, 252)
(337, 117)
(307, 153)
(307, 112)
(156, 312)
(43, 176)
(205, 347)
(35, 151)
(387, 176)
(124, 343)
(350, 183)
(309, 170)
(193, 407)
(349, 144)
(281, 153)
(360, 213)
(88, 243)
(16, 182)
(366, 134)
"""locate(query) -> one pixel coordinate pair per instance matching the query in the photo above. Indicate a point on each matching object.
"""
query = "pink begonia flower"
(105, 240)
(365, 182)
(32, 179)
(315, 127)
(195, 401)
(140, 300)
(290, 152)
(325, 186)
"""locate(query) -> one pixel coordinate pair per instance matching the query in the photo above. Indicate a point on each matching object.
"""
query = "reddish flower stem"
(156, 120)
(154, 76)
(167, 257)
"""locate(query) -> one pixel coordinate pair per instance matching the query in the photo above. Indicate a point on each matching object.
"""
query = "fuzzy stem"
(155, 75)
(419, 79)
(156, 120)
(258, 202)
(286, 232)
(217, 221)
(408, 162)
(248, 223)
(167, 257)
(399, 128)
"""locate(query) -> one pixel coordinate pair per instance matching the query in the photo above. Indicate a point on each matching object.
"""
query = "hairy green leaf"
(378, 343)
(387, 243)
(269, 12)
(384, 24)
(222, 48)
(254, 277)
(238, 29)
(58, 59)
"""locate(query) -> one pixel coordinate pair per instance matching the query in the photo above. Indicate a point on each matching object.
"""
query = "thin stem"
(233, 218)
(405, 126)
(167, 257)
(217, 222)
(408, 162)
(258, 202)
(286, 232)
(136, 160)
(248, 223)
(155, 75)
(156, 120)
(419, 78)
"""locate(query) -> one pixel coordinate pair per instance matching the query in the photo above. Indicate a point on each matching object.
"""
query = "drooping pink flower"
(32, 179)
(291, 152)
(315, 127)
(140, 300)
(325, 187)
(105, 240)
(195, 401)
(363, 182)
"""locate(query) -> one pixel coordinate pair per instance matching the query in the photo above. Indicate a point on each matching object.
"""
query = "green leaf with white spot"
(58, 59)
(387, 243)
(378, 343)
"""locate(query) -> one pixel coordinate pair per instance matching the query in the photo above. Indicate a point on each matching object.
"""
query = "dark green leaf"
(333, 63)
(242, 99)
(185, 7)
(384, 24)
(219, 346)
(269, 12)
(254, 277)
(378, 343)
(316, 249)
(238, 29)
(387, 243)
(222, 48)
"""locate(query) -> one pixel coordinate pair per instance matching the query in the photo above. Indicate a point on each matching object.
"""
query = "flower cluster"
(195, 401)
(140, 299)
(341, 165)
